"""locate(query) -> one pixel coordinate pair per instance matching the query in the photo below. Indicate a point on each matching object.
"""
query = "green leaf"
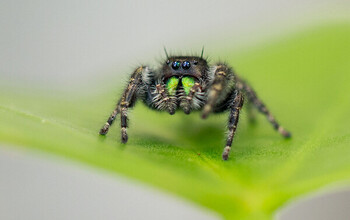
(305, 82)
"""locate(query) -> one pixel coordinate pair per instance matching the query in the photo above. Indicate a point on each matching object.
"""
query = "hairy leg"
(223, 76)
(104, 130)
(235, 109)
(250, 112)
(253, 98)
(128, 99)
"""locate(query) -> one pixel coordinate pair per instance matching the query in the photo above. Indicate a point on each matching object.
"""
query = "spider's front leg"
(127, 100)
(235, 108)
(219, 92)
(220, 87)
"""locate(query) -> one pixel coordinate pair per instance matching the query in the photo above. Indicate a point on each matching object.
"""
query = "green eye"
(171, 85)
(187, 83)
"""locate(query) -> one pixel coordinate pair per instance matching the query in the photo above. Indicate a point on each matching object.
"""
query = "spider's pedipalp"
(193, 100)
(163, 101)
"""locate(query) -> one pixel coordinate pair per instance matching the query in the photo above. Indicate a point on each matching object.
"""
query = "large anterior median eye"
(175, 65)
(171, 85)
(187, 83)
(186, 65)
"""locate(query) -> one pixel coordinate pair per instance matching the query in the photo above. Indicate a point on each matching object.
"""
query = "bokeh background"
(69, 44)
(63, 65)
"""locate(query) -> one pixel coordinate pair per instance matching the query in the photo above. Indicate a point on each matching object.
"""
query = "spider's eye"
(175, 65)
(186, 65)
(195, 62)
(168, 61)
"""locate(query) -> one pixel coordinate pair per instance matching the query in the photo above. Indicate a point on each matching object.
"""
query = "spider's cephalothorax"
(187, 83)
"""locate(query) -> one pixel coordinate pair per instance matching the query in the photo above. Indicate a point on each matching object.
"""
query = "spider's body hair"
(189, 84)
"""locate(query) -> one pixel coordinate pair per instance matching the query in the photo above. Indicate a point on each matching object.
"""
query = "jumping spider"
(188, 83)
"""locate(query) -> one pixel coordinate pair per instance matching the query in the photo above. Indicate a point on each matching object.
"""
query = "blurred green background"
(302, 75)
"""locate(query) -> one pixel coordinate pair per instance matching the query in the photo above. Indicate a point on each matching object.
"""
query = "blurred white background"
(67, 43)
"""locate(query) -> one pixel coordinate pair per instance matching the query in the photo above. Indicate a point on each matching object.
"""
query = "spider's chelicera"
(189, 84)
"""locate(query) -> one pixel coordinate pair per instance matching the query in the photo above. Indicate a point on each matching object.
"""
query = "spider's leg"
(223, 76)
(164, 101)
(127, 100)
(110, 120)
(253, 98)
(235, 108)
(187, 101)
(251, 112)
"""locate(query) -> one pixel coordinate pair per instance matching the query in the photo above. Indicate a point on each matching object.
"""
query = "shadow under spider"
(201, 135)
